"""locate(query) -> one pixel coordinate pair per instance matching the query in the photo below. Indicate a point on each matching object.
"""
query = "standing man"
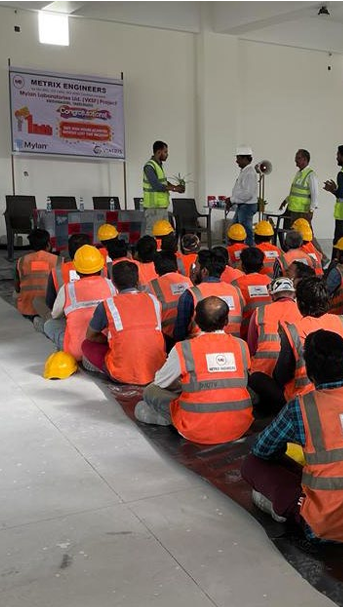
(156, 188)
(337, 190)
(244, 193)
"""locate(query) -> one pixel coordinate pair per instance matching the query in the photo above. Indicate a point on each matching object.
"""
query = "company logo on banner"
(64, 114)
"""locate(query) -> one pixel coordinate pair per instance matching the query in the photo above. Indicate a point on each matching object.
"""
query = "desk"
(61, 223)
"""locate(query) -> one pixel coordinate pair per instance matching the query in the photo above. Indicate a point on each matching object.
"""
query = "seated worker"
(145, 252)
(334, 279)
(313, 304)
(205, 275)
(167, 241)
(236, 236)
(302, 226)
(310, 496)
(32, 272)
(135, 349)
(211, 404)
(263, 234)
(230, 274)
(117, 251)
(76, 302)
(252, 285)
(190, 245)
(298, 270)
(167, 288)
(107, 234)
(293, 245)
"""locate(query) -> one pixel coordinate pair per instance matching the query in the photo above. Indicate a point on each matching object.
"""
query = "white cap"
(281, 284)
(244, 150)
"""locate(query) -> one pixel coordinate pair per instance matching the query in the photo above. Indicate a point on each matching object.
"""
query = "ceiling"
(290, 23)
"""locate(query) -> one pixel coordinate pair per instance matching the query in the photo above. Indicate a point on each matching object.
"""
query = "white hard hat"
(281, 284)
(244, 150)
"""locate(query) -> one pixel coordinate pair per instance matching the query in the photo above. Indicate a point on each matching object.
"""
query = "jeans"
(244, 215)
(55, 329)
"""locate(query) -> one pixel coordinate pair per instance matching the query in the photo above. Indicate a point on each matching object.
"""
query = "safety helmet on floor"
(162, 227)
(339, 244)
(281, 284)
(60, 365)
(107, 232)
(88, 260)
(303, 228)
(236, 232)
(264, 228)
(190, 243)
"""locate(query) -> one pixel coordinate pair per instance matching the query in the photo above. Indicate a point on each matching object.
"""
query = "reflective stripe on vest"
(299, 198)
(333, 483)
(300, 381)
(79, 305)
(115, 314)
(152, 199)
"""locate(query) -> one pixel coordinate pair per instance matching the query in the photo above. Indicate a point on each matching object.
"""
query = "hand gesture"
(180, 188)
(330, 186)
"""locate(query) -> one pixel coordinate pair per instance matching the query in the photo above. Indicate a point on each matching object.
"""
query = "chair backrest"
(19, 211)
(184, 209)
(103, 202)
(137, 202)
(63, 202)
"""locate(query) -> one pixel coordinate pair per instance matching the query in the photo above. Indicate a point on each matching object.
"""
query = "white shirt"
(59, 304)
(245, 187)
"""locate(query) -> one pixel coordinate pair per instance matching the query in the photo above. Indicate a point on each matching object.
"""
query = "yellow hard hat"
(264, 228)
(162, 227)
(88, 260)
(303, 227)
(296, 453)
(60, 365)
(107, 232)
(236, 232)
(339, 244)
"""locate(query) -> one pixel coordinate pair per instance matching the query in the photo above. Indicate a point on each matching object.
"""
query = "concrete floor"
(91, 515)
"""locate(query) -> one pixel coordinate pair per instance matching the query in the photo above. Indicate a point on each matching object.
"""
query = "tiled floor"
(92, 516)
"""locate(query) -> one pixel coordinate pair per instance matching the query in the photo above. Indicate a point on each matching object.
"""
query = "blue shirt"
(333, 281)
(185, 312)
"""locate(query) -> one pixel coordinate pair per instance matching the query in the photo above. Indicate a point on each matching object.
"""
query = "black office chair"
(103, 203)
(63, 202)
(137, 202)
(19, 218)
(186, 218)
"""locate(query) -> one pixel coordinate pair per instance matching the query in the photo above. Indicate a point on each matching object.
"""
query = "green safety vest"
(152, 199)
(338, 213)
(299, 198)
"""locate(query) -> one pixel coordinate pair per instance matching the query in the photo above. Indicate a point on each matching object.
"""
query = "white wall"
(202, 93)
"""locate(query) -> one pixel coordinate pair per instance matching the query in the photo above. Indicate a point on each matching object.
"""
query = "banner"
(65, 114)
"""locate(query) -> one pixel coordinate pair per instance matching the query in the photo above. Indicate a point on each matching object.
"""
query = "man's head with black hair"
(312, 297)
(323, 353)
(125, 275)
(169, 243)
(212, 314)
(208, 264)
(298, 270)
(39, 240)
(76, 241)
(252, 260)
(293, 240)
(221, 252)
(116, 248)
(160, 151)
(146, 249)
(165, 262)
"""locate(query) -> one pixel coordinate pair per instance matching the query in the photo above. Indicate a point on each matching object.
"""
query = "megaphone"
(264, 167)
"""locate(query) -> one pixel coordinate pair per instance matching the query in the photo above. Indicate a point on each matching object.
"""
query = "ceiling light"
(53, 28)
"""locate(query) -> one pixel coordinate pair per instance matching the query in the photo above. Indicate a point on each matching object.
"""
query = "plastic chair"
(18, 218)
(138, 202)
(63, 202)
(186, 218)
(278, 231)
(103, 202)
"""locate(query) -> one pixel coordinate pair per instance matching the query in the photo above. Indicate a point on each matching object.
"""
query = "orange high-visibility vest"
(292, 255)
(136, 344)
(254, 290)
(180, 263)
(214, 405)
(230, 294)
(167, 289)
(188, 260)
(267, 320)
(62, 274)
(271, 253)
(33, 271)
(230, 274)
(296, 335)
(315, 255)
(234, 251)
(336, 304)
(81, 299)
(322, 478)
(146, 272)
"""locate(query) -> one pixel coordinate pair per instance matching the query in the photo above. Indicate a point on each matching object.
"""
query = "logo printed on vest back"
(73, 276)
(237, 254)
(178, 288)
(229, 300)
(271, 254)
(221, 362)
(257, 291)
